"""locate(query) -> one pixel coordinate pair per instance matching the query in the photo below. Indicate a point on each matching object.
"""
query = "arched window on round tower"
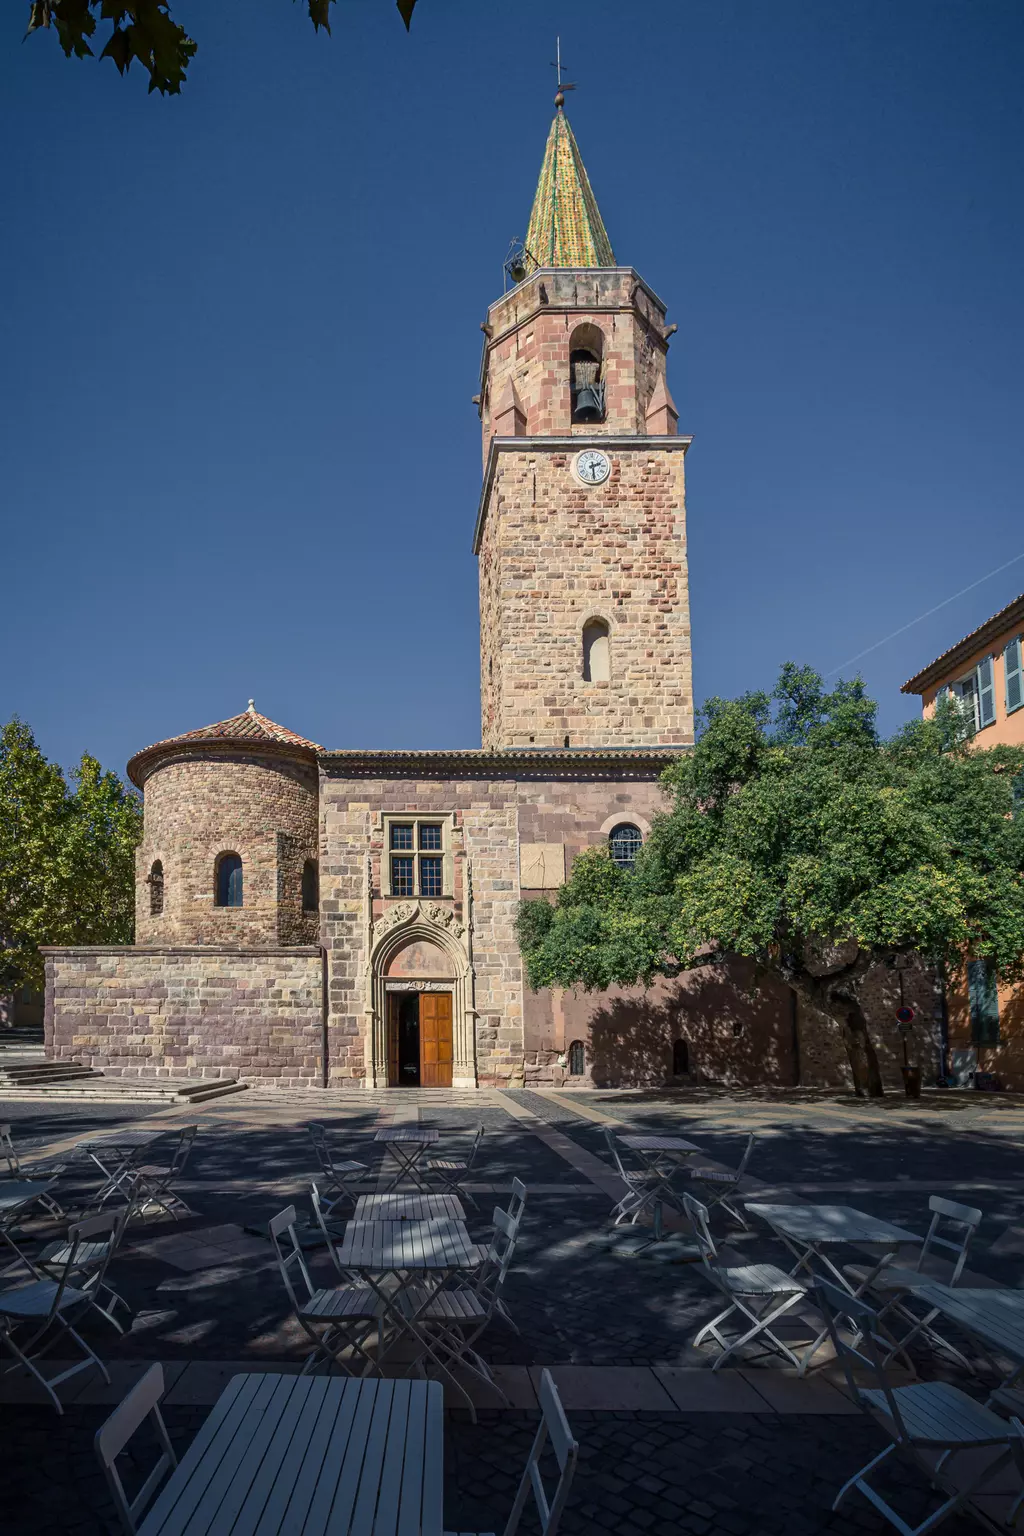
(310, 887)
(156, 889)
(680, 1058)
(586, 373)
(597, 652)
(577, 1059)
(228, 880)
(624, 843)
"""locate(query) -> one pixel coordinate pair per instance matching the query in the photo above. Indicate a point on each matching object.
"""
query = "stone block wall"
(187, 1012)
(553, 555)
(199, 805)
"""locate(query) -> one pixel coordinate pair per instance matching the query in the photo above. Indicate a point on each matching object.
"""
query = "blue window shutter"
(986, 693)
(1014, 688)
(984, 999)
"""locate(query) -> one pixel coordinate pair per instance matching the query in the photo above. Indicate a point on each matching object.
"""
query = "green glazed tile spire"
(566, 228)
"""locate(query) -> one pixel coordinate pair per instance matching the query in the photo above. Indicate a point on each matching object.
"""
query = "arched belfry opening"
(586, 373)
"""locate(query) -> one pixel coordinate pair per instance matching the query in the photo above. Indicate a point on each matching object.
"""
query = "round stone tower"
(229, 848)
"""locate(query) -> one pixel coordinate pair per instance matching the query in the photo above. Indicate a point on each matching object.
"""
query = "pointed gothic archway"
(402, 925)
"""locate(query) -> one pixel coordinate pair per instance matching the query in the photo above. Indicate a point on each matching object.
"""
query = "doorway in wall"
(420, 1047)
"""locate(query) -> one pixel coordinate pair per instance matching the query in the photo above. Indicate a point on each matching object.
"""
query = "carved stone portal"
(409, 922)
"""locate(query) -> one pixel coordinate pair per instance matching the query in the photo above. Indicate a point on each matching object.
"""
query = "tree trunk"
(867, 1076)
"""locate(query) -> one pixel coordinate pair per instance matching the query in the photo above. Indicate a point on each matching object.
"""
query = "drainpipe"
(324, 1010)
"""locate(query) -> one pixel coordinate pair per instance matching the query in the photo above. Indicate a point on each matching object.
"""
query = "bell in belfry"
(588, 390)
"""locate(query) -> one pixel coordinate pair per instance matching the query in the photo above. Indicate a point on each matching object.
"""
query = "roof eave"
(937, 669)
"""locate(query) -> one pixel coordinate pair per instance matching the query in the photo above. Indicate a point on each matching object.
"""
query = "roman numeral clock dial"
(591, 467)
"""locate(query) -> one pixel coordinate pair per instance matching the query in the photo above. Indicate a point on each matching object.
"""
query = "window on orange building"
(984, 999)
(1014, 680)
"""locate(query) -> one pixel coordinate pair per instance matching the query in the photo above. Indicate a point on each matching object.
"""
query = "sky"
(239, 339)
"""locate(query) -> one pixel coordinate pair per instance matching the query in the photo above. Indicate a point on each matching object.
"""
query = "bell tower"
(581, 532)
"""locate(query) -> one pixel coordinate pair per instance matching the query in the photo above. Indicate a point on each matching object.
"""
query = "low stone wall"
(192, 1012)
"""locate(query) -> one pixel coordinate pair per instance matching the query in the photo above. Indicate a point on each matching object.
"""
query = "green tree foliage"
(144, 30)
(66, 856)
(798, 838)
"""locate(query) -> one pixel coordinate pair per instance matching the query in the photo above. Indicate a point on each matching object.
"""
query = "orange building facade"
(984, 670)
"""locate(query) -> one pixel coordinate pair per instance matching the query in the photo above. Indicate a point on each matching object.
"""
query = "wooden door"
(436, 1040)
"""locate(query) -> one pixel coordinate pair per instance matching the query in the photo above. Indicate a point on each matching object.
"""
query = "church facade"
(322, 917)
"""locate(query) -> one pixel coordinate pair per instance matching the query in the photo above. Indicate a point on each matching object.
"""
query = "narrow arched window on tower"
(310, 887)
(228, 884)
(577, 1059)
(597, 660)
(624, 843)
(156, 889)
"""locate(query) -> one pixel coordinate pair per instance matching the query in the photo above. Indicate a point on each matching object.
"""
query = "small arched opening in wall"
(586, 373)
(680, 1058)
(310, 886)
(577, 1054)
(156, 888)
(227, 880)
(597, 651)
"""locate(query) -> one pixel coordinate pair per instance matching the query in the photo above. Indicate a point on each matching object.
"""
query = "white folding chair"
(9, 1155)
(517, 1204)
(142, 1402)
(334, 1319)
(338, 1177)
(320, 1208)
(35, 1318)
(158, 1179)
(929, 1423)
(456, 1316)
(91, 1260)
(718, 1186)
(452, 1172)
(641, 1184)
(554, 1426)
(760, 1293)
(894, 1284)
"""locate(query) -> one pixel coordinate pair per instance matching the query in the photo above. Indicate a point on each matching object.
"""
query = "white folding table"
(397, 1207)
(663, 1158)
(311, 1456)
(391, 1257)
(809, 1231)
(406, 1144)
(115, 1156)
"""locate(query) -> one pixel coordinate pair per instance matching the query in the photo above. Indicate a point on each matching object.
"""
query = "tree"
(796, 837)
(66, 856)
(146, 31)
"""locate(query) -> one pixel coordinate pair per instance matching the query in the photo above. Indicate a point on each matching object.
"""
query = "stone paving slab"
(706, 1391)
(619, 1389)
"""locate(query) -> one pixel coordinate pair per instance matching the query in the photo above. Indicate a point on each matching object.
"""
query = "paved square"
(665, 1444)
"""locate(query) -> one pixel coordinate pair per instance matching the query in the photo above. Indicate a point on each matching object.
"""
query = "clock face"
(592, 466)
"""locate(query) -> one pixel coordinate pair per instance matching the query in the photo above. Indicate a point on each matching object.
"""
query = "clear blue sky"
(240, 335)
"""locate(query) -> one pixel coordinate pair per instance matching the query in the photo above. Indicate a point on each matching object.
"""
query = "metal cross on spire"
(563, 85)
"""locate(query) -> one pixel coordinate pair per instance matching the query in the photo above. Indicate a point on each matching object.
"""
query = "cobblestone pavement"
(638, 1474)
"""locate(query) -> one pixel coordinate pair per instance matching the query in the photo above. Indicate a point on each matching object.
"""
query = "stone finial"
(662, 418)
(509, 419)
(252, 705)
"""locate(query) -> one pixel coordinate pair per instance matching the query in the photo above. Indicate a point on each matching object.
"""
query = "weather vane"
(563, 85)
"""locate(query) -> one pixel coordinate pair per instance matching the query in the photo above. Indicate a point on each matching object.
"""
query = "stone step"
(73, 1080)
(20, 1074)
